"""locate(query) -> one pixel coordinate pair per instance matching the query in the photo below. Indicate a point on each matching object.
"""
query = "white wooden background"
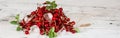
(104, 16)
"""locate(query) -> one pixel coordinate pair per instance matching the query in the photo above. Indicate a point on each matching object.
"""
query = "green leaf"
(48, 2)
(19, 28)
(54, 34)
(17, 17)
(14, 22)
(51, 33)
(48, 7)
(52, 29)
(77, 29)
(53, 2)
(52, 5)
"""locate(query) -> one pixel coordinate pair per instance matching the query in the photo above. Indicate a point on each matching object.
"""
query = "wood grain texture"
(103, 16)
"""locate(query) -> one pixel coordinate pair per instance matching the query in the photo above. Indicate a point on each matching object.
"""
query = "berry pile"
(42, 20)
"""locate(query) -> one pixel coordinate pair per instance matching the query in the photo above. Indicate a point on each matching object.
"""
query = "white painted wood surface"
(104, 16)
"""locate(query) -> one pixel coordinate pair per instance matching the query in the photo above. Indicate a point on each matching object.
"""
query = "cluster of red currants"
(40, 18)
